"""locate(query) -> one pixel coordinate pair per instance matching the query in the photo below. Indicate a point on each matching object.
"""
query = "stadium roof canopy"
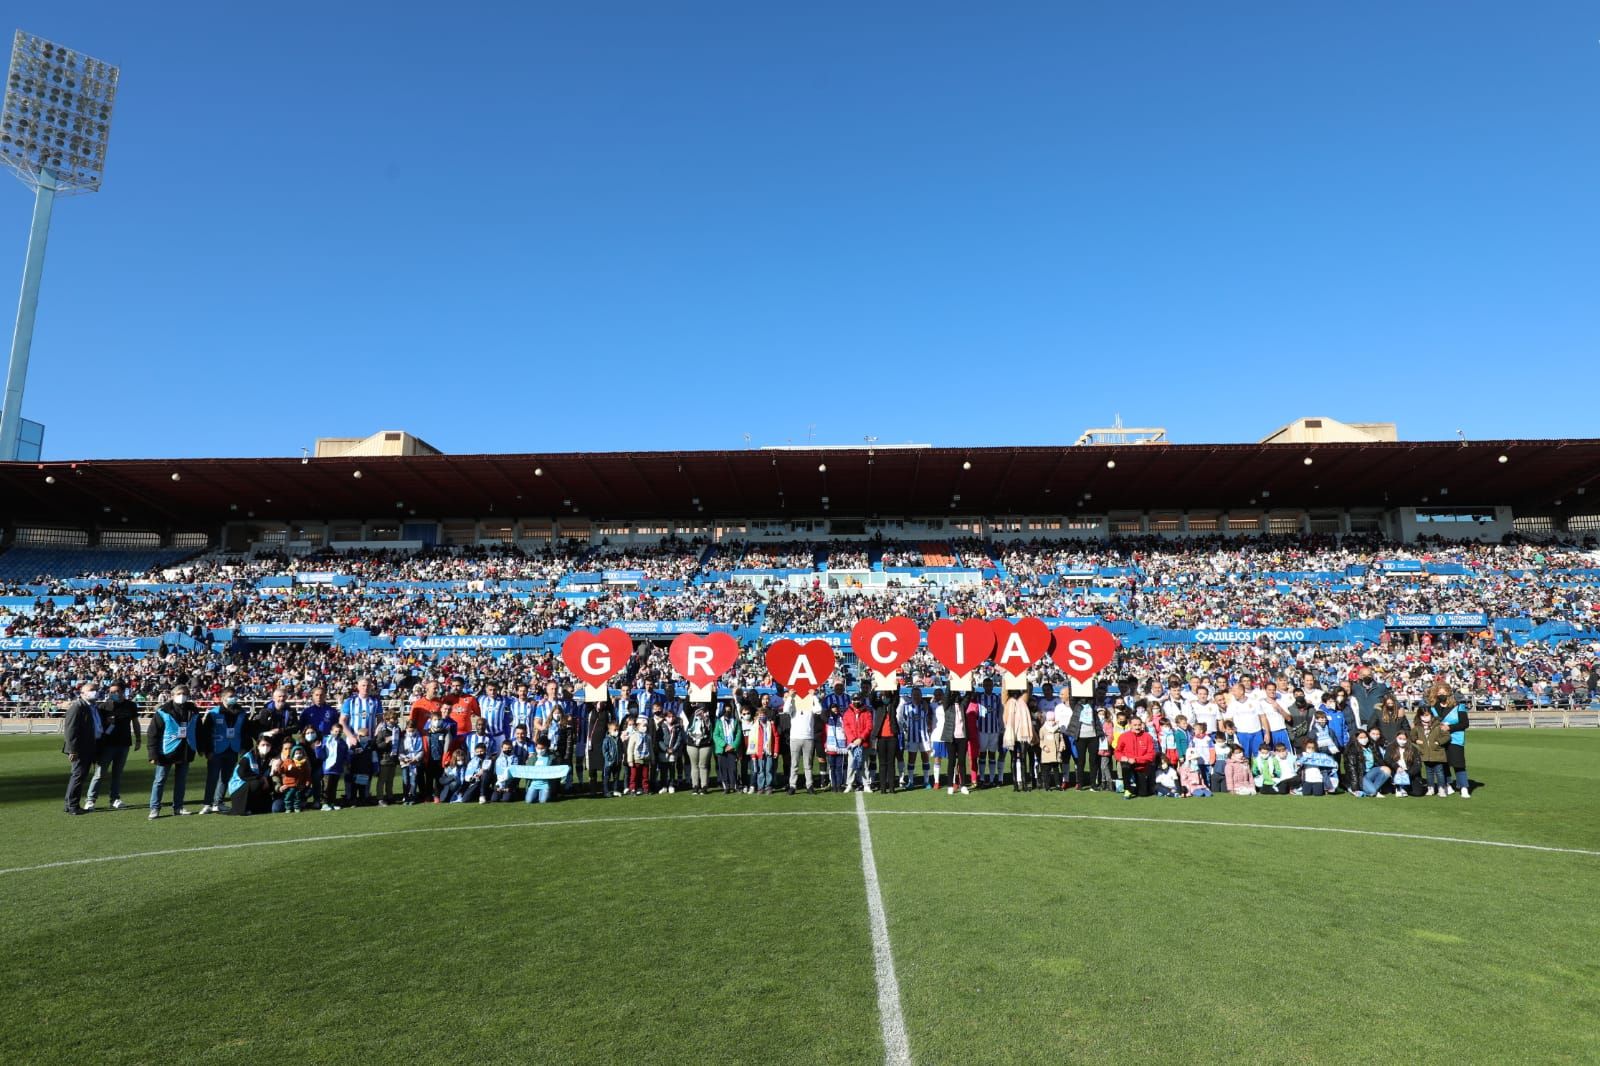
(766, 483)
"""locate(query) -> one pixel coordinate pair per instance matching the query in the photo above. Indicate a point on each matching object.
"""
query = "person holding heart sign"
(1019, 737)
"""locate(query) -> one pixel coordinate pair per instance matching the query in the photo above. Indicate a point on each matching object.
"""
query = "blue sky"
(618, 226)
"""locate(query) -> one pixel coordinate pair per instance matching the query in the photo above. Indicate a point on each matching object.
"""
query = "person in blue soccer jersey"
(361, 711)
(915, 744)
(991, 727)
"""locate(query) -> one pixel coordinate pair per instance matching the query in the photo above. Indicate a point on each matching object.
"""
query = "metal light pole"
(53, 133)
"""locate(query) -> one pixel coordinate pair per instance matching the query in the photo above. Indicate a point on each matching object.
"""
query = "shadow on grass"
(31, 788)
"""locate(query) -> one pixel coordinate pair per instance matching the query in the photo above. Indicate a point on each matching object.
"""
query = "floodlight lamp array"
(56, 120)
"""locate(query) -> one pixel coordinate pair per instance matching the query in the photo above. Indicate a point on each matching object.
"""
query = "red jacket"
(1137, 748)
(857, 724)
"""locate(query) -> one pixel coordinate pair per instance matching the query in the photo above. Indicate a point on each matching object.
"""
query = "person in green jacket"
(727, 740)
(1431, 739)
(1273, 769)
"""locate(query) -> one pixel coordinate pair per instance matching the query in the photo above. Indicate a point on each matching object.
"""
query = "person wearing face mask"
(221, 737)
(81, 744)
(1368, 772)
(1136, 751)
(171, 744)
(119, 731)
(1404, 760)
(698, 740)
(1367, 696)
(250, 787)
(727, 739)
(1453, 716)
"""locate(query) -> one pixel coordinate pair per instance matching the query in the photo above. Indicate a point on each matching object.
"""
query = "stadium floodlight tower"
(53, 133)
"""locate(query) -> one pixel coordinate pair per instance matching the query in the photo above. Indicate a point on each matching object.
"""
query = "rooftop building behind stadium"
(1315, 475)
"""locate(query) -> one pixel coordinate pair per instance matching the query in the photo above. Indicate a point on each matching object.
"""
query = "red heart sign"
(701, 658)
(960, 646)
(595, 658)
(1082, 653)
(884, 646)
(1020, 644)
(800, 667)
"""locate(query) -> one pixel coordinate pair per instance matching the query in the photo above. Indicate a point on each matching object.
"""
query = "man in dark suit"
(81, 743)
(119, 731)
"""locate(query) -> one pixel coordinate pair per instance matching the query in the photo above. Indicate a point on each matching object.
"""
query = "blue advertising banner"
(1460, 620)
(489, 642)
(1399, 566)
(1250, 636)
(834, 640)
(60, 644)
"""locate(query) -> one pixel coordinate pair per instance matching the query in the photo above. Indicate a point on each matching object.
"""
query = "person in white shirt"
(1048, 703)
(1203, 709)
(1246, 717)
(803, 714)
(1313, 691)
(1274, 715)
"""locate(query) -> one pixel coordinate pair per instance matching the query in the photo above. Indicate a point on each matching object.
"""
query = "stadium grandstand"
(382, 556)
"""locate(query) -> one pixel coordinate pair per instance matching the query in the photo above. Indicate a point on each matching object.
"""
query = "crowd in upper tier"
(1194, 583)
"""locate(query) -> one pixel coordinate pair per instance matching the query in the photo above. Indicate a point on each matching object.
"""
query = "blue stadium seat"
(25, 564)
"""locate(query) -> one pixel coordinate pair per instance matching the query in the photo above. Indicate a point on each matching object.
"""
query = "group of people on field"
(460, 746)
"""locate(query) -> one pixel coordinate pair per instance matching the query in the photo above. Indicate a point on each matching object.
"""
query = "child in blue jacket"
(541, 791)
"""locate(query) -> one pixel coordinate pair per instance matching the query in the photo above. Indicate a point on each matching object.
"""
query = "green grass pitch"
(661, 930)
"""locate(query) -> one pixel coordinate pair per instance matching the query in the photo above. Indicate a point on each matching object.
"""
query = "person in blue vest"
(361, 711)
(541, 791)
(221, 738)
(335, 761)
(250, 786)
(320, 715)
(171, 743)
(1453, 715)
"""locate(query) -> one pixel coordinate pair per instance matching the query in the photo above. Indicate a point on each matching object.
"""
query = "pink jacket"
(1239, 776)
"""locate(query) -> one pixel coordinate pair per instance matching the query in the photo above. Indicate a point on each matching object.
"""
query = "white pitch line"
(554, 823)
(550, 824)
(1245, 825)
(896, 1049)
